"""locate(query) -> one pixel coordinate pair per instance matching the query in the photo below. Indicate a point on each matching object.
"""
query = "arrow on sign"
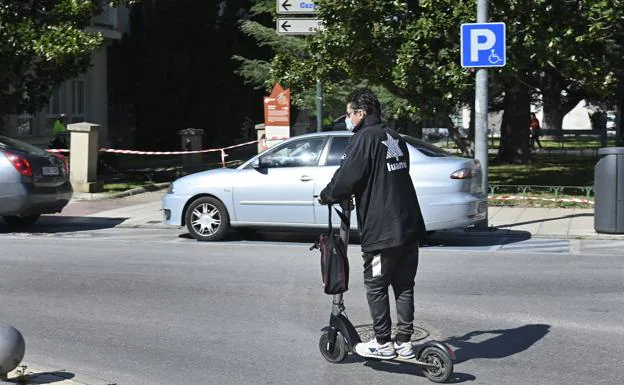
(298, 26)
(286, 5)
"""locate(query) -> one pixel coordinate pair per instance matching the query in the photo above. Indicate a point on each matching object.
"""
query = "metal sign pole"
(302, 26)
(481, 114)
(319, 106)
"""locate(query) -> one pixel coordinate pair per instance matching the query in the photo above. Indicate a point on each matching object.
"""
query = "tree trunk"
(465, 145)
(555, 105)
(514, 148)
(553, 111)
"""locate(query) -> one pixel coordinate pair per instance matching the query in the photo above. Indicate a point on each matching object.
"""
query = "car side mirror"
(260, 163)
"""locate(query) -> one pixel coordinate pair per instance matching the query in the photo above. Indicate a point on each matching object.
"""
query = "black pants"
(397, 267)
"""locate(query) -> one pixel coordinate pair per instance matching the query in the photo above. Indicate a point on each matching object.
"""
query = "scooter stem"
(345, 228)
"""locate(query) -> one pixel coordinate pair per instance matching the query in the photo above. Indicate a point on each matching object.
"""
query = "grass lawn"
(545, 182)
(546, 170)
(568, 143)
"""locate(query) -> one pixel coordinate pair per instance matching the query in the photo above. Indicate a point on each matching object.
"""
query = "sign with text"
(277, 115)
(295, 6)
(483, 45)
(299, 26)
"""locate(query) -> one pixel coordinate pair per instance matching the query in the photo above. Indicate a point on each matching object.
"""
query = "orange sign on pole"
(277, 115)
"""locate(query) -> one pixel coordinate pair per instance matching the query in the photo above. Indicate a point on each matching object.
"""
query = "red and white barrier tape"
(136, 152)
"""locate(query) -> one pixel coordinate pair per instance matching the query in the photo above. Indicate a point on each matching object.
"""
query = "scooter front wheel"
(442, 364)
(337, 352)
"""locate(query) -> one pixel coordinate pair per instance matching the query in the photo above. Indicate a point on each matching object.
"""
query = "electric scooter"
(340, 337)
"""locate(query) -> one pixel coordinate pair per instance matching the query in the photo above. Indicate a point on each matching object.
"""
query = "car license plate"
(50, 171)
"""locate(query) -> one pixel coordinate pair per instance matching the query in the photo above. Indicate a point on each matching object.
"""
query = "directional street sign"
(483, 45)
(298, 26)
(295, 6)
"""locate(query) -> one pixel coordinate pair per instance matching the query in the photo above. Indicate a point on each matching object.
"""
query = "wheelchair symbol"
(494, 58)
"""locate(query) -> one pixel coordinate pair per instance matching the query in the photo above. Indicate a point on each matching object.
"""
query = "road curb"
(77, 196)
(522, 234)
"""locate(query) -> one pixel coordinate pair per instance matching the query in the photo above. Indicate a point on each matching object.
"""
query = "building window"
(25, 125)
(56, 103)
(79, 101)
(56, 107)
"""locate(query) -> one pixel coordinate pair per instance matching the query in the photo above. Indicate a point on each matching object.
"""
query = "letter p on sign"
(483, 45)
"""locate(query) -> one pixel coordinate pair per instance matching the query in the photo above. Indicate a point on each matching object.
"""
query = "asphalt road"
(148, 306)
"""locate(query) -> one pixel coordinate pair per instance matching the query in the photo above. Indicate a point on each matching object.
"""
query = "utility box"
(609, 191)
(192, 140)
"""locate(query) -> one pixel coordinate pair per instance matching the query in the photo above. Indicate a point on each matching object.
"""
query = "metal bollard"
(12, 348)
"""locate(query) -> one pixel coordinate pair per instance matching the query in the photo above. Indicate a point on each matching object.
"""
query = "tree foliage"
(560, 50)
(42, 44)
(298, 62)
(408, 48)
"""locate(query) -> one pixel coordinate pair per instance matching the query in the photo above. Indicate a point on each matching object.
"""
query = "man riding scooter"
(375, 168)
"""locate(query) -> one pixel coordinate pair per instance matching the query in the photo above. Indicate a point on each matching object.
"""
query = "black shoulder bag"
(334, 261)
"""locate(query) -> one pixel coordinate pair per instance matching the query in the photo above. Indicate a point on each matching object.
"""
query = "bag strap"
(343, 217)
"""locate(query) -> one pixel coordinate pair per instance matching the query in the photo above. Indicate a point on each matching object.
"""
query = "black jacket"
(375, 168)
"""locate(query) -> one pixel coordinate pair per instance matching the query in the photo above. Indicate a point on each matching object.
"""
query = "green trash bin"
(609, 191)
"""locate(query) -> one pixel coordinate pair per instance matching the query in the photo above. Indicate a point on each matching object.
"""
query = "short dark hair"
(364, 99)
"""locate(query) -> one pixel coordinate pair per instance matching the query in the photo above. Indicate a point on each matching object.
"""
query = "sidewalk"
(540, 222)
(144, 211)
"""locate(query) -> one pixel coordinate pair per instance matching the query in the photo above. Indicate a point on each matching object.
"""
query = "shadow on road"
(494, 344)
(491, 344)
(50, 224)
(406, 368)
(455, 239)
(470, 238)
(43, 378)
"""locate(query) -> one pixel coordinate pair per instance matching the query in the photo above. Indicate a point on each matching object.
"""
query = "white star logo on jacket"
(394, 151)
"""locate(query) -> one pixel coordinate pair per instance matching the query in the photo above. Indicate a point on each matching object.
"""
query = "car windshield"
(12, 144)
(426, 148)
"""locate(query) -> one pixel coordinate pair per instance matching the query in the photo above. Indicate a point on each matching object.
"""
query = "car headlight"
(170, 190)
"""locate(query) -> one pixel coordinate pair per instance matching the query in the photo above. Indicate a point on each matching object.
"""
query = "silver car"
(276, 189)
(32, 182)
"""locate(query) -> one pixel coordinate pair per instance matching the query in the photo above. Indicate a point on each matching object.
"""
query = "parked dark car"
(32, 182)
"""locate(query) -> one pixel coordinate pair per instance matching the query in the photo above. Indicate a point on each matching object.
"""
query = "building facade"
(81, 99)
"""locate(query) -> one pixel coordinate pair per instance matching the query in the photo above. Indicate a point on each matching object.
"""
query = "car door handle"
(305, 178)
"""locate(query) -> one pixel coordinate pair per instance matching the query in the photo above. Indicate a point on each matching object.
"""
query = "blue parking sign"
(483, 45)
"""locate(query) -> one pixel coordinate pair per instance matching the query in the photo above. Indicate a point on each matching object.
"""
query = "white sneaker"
(373, 349)
(404, 349)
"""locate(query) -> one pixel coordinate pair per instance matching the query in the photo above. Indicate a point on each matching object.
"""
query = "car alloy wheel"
(207, 219)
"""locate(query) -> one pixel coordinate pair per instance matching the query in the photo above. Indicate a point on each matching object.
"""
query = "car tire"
(21, 222)
(207, 219)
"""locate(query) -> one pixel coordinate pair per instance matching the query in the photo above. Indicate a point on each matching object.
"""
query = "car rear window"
(13, 144)
(426, 148)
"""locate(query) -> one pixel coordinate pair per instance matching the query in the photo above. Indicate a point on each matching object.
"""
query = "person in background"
(535, 131)
(59, 131)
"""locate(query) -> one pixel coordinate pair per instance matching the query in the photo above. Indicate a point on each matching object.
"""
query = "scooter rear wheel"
(441, 360)
(339, 351)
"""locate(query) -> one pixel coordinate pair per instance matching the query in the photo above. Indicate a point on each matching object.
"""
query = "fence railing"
(542, 196)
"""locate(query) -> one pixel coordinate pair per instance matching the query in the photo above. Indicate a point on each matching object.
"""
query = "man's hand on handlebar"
(322, 198)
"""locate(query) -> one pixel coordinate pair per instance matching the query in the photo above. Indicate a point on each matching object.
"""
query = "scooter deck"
(397, 359)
